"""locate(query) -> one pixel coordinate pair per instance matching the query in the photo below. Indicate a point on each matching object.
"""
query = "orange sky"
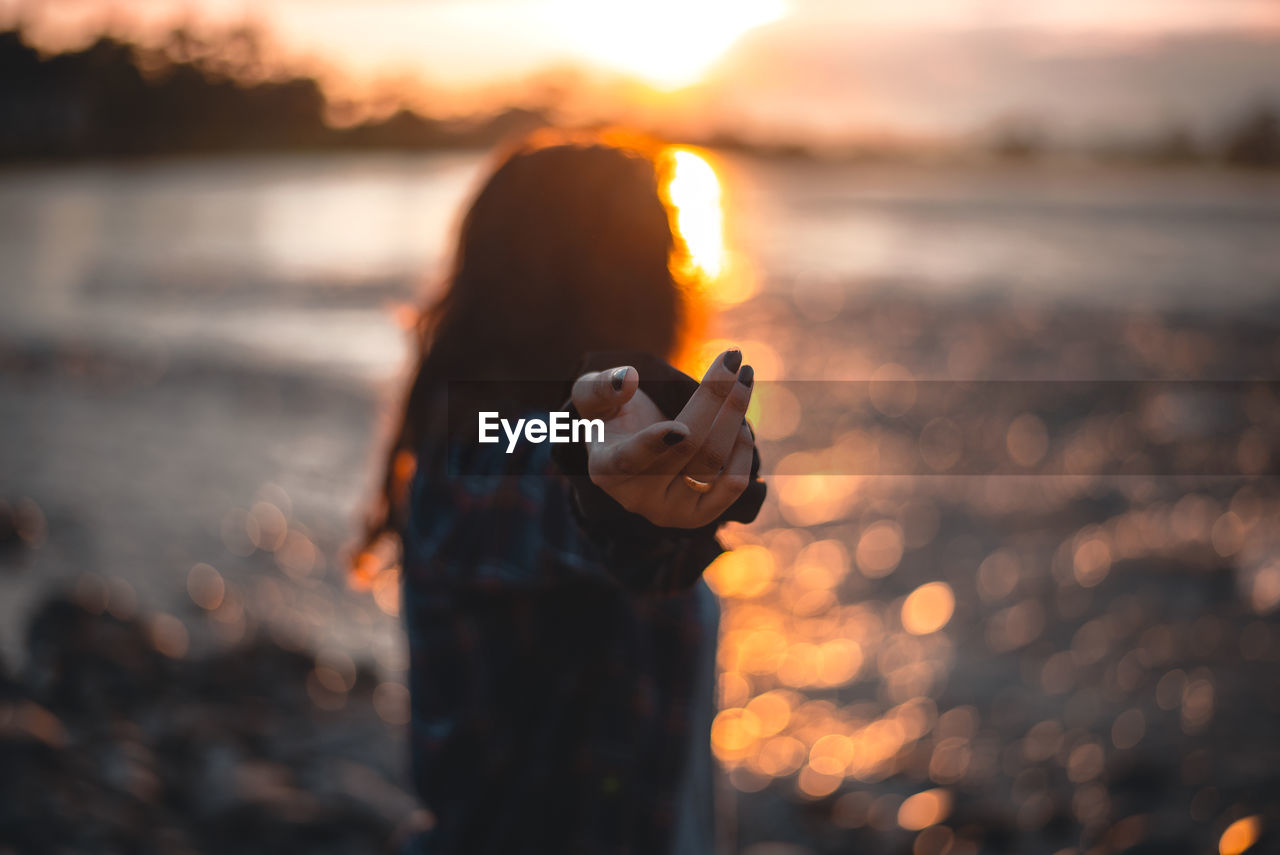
(812, 68)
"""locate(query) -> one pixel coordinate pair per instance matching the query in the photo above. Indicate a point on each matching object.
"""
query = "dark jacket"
(553, 646)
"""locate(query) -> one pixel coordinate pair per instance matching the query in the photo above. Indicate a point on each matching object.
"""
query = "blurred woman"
(561, 639)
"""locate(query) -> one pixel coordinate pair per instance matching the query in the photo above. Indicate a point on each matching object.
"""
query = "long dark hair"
(567, 248)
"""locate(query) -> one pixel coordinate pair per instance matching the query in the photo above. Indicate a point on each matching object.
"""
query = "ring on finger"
(695, 485)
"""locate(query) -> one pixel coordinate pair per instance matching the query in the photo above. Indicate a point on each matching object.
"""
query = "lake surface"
(296, 260)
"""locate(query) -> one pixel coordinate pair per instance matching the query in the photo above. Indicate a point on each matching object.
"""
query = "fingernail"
(747, 375)
(618, 377)
(672, 437)
(732, 359)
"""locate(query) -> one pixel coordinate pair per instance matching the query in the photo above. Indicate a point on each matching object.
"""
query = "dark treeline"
(1249, 139)
(191, 95)
(195, 94)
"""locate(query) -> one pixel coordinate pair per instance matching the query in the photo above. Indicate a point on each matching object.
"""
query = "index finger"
(699, 414)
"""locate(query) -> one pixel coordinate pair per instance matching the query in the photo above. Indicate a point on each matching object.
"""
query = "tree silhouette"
(1254, 140)
(192, 94)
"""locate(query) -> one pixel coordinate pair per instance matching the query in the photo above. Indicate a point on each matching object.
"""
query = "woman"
(561, 640)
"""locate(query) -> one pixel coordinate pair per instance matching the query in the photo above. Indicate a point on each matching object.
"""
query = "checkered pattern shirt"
(552, 661)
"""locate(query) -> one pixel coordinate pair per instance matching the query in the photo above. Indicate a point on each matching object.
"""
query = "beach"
(918, 655)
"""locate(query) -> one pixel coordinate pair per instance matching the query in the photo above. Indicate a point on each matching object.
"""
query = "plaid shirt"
(552, 663)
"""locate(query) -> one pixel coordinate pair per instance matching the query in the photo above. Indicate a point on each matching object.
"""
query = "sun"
(667, 43)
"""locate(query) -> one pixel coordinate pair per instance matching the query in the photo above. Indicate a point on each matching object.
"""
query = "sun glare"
(694, 193)
(667, 43)
(707, 264)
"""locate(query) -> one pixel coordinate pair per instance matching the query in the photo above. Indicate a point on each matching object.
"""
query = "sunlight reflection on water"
(186, 251)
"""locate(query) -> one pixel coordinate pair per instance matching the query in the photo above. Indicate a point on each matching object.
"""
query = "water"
(288, 260)
(1086, 235)
(295, 261)
(198, 356)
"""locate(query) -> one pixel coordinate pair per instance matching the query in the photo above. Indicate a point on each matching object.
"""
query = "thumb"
(599, 394)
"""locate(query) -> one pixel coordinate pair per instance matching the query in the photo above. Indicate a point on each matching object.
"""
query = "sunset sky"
(784, 69)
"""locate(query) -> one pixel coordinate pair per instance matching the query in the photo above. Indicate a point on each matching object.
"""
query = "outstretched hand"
(680, 473)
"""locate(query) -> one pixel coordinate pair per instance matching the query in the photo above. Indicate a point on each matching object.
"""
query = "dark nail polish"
(747, 375)
(618, 377)
(673, 437)
(732, 359)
